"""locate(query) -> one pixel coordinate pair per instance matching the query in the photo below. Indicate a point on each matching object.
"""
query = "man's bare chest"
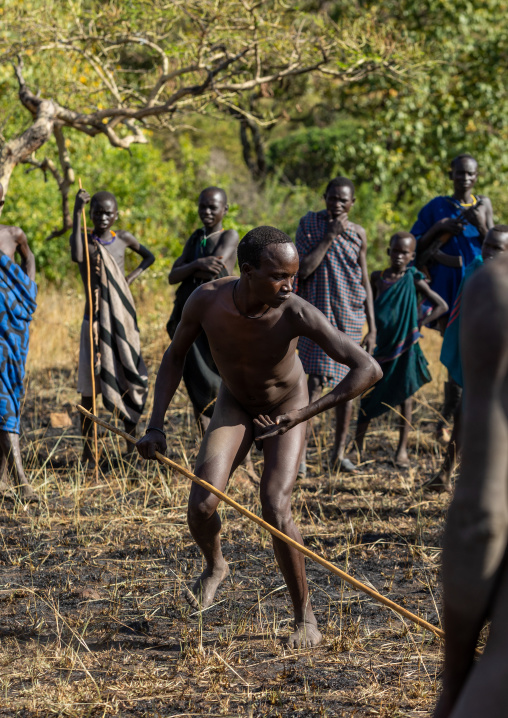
(241, 342)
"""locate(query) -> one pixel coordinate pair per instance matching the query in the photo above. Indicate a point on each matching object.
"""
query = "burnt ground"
(92, 616)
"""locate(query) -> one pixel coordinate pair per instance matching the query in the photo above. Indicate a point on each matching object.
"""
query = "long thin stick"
(275, 532)
(90, 321)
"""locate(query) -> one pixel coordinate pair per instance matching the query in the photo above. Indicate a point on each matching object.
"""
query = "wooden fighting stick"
(90, 321)
(275, 532)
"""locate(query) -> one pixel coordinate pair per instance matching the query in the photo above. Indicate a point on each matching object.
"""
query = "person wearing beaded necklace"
(461, 222)
(396, 291)
(253, 325)
(103, 213)
(209, 253)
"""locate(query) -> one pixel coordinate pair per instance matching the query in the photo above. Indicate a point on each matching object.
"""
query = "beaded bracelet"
(155, 428)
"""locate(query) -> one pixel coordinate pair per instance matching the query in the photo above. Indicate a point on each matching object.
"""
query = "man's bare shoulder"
(491, 284)
(12, 240)
(209, 291)
(127, 238)
(299, 310)
(485, 200)
(360, 231)
(230, 235)
(12, 231)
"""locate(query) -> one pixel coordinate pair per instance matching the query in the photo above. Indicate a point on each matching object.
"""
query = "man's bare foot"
(6, 492)
(443, 434)
(205, 588)
(402, 459)
(342, 464)
(306, 635)
(26, 494)
(440, 482)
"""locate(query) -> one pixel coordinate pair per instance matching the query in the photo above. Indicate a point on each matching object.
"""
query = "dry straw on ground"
(92, 619)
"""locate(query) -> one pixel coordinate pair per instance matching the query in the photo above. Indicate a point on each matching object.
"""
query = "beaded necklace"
(105, 244)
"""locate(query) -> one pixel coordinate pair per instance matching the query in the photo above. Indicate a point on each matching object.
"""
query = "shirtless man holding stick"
(253, 324)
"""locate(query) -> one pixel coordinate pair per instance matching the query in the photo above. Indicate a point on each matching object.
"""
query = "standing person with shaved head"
(120, 372)
(18, 292)
(397, 290)
(333, 277)
(455, 225)
(209, 253)
(253, 324)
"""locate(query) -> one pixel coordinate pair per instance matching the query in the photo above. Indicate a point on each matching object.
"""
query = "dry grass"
(92, 621)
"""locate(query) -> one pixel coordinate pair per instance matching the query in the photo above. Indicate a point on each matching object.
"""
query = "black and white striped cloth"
(123, 374)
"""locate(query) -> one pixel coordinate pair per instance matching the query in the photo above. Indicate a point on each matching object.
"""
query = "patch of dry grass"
(92, 619)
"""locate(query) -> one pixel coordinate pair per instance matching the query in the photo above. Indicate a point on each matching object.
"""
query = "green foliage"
(411, 85)
(157, 199)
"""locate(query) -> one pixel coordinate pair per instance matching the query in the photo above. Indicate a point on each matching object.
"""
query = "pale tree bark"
(146, 66)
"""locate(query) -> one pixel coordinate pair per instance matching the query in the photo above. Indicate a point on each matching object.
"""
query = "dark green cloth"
(201, 376)
(397, 351)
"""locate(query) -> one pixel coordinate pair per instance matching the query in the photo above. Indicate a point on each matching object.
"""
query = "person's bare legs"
(406, 411)
(9, 444)
(343, 413)
(442, 481)
(224, 446)
(282, 455)
(361, 430)
(6, 491)
(201, 420)
(314, 387)
(483, 690)
(130, 428)
(87, 432)
(203, 423)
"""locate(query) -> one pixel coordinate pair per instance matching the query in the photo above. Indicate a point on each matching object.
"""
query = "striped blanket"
(123, 374)
(17, 304)
(335, 288)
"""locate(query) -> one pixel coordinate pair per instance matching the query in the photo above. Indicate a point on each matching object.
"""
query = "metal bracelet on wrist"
(155, 428)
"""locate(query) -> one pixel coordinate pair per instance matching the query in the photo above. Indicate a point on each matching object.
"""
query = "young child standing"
(333, 277)
(404, 366)
(119, 368)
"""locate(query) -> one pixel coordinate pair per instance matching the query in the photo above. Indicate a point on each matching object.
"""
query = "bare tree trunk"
(19, 149)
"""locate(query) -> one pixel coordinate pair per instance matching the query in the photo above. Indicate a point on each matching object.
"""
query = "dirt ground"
(92, 616)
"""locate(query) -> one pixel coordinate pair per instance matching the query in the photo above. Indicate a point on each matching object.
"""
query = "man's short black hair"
(252, 245)
(340, 182)
(100, 196)
(462, 157)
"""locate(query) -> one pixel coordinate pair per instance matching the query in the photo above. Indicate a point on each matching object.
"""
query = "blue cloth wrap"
(17, 304)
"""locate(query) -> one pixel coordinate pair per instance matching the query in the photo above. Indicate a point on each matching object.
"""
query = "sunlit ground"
(92, 617)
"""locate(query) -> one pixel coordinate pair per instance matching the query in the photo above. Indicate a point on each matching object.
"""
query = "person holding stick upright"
(253, 324)
(118, 366)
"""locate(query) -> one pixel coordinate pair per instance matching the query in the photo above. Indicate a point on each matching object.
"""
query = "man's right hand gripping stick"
(275, 532)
